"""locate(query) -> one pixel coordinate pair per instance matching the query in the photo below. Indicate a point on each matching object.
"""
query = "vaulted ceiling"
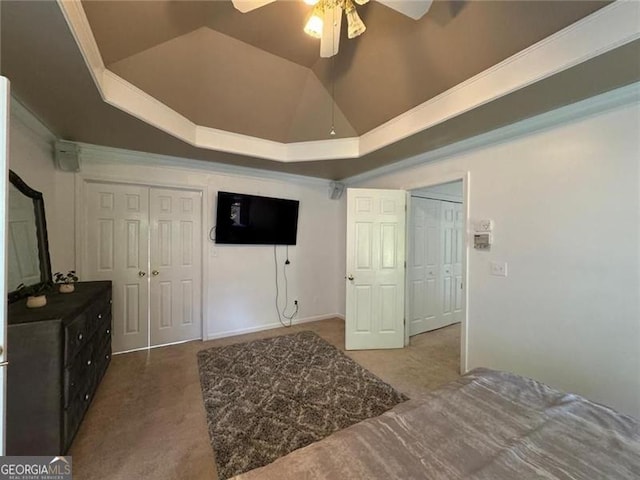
(258, 75)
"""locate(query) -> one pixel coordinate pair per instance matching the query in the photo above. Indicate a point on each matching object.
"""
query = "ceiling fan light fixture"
(360, 2)
(355, 25)
(313, 27)
(313, 2)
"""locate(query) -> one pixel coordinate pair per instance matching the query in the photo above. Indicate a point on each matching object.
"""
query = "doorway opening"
(436, 261)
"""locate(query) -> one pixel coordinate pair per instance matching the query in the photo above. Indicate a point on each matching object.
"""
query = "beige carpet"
(147, 419)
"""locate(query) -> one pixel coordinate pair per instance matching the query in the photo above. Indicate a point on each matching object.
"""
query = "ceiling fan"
(326, 18)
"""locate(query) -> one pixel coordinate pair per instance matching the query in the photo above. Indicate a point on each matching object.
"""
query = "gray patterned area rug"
(269, 397)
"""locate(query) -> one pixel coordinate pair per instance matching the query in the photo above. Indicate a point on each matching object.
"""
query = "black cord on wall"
(286, 291)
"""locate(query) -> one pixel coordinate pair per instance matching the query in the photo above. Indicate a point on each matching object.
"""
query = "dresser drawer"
(75, 411)
(104, 329)
(76, 336)
(102, 359)
(99, 313)
(79, 373)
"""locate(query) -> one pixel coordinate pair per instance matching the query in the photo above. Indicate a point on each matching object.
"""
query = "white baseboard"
(271, 326)
(156, 346)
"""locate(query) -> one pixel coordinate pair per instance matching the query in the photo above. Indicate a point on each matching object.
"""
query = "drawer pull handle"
(107, 356)
(108, 331)
(80, 336)
(88, 362)
(86, 397)
(99, 316)
(110, 302)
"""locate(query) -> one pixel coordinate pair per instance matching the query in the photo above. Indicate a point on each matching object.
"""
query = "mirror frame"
(41, 233)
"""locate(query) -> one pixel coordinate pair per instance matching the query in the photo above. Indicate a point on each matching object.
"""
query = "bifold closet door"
(452, 249)
(424, 266)
(435, 264)
(117, 236)
(176, 266)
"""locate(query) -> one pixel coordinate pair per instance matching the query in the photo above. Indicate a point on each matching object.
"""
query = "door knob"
(155, 273)
(141, 273)
(350, 277)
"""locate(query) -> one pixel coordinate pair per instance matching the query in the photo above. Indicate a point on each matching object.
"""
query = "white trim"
(581, 41)
(447, 197)
(138, 103)
(108, 155)
(83, 35)
(598, 33)
(432, 182)
(79, 216)
(271, 326)
(151, 347)
(136, 180)
(407, 261)
(578, 110)
(340, 148)
(5, 121)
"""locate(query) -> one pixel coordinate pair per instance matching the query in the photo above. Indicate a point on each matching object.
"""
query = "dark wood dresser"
(57, 356)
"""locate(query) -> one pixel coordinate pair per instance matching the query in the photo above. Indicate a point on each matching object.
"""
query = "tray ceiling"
(257, 74)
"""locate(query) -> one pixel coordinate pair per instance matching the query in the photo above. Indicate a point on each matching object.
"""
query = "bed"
(486, 425)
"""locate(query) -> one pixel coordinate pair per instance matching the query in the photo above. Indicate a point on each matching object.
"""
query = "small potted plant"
(35, 294)
(66, 281)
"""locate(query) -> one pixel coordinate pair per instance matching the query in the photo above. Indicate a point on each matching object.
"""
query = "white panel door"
(424, 266)
(4, 154)
(451, 248)
(176, 266)
(435, 264)
(117, 249)
(375, 269)
(458, 252)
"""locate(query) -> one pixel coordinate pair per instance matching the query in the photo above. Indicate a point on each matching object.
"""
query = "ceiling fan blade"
(415, 9)
(247, 5)
(330, 40)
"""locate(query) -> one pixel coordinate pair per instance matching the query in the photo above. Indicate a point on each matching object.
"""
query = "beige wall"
(241, 293)
(565, 204)
(31, 157)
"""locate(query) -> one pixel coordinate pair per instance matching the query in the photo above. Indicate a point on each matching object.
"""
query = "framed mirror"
(28, 260)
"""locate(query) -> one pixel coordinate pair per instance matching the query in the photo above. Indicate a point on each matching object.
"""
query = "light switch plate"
(499, 269)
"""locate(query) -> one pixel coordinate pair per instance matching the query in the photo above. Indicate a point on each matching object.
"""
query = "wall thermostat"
(482, 241)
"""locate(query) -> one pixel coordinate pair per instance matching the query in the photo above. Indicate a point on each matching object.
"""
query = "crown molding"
(598, 33)
(98, 154)
(627, 95)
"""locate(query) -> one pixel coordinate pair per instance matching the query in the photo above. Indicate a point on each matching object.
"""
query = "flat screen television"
(254, 220)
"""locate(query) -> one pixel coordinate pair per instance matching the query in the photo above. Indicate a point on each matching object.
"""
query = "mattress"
(485, 425)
